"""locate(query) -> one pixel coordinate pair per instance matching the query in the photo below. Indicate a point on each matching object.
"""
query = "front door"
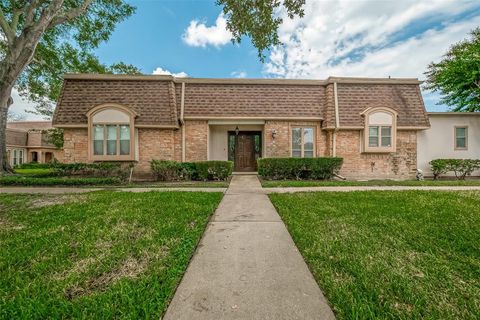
(246, 149)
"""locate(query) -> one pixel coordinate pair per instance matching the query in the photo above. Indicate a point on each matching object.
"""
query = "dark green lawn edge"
(379, 183)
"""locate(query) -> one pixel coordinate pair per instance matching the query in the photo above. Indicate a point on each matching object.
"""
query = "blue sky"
(365, 38)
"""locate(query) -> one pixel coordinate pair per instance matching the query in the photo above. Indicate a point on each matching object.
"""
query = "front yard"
(390, 255)
(100, 255)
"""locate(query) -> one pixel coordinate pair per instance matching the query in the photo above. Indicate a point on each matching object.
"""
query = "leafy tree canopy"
(457, 75)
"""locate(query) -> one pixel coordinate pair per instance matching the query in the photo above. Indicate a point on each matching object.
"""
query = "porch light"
(274, 134)
(237, 131)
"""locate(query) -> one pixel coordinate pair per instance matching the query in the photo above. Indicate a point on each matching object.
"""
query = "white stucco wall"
(439, 141)
(218, 139)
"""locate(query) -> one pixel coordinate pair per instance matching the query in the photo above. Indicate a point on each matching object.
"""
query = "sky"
(362, 38)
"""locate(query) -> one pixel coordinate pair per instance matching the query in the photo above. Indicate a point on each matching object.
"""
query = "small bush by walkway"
(390, 255)
(102, 255)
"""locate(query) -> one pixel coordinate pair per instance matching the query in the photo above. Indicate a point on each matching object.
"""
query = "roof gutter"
(182, 120)
(337, 120)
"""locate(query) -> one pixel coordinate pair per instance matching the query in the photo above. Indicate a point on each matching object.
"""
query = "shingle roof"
(152, 100)
(156, 99)
(354, 98)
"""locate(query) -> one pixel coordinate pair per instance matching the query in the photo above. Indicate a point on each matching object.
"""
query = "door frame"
(231, 157)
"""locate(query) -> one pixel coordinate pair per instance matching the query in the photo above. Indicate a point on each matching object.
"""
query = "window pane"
(386, 141)
(308, 154)
(461, 142)
(386, 131)
(98, 147)
(124, 132)
(373, 136)
(98, 132)
(111, 140)
(296, 153)
(20, 157)
(296, 139)
(461, 132)
(308, 141)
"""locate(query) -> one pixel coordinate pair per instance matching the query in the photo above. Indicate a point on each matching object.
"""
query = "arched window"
(380, 129)
(111, 133)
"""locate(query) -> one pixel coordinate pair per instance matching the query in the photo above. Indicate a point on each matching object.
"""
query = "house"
(453, 135)
(27, 142)
(372, 123)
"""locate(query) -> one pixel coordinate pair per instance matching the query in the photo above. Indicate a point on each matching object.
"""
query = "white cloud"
(161, 71)
(198, 34)
(369, 38)
(20, 105)
(239, 74)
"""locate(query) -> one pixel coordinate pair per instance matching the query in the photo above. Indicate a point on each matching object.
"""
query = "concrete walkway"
(64, 190)
(247, 266)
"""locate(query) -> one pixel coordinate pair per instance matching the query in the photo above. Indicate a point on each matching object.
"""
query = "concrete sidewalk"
(247, 266)
(369, 188)
(65, 190)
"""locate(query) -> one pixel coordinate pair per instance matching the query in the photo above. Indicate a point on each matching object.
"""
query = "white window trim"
(366, 133)
(455, 138)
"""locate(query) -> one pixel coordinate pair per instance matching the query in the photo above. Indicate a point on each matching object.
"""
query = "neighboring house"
(26, 142)
(453, 135)
(372, 123)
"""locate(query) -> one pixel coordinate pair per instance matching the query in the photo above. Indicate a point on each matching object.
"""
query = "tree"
(40, 40)
(457, 75)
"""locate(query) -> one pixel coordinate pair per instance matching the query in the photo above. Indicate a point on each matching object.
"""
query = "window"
(111, 139)
(303, 142)
(461, 138)
(111, 133)
(380, 130)
(380, 136)
(17, 156)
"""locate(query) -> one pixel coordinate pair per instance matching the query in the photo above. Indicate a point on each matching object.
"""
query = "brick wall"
(75, 145)
(398, 165)
(153, 144)
(196, 137)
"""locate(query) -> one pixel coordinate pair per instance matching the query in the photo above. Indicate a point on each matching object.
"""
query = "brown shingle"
(153, 101)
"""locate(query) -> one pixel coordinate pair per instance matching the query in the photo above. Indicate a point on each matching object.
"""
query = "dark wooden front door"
(246, 149)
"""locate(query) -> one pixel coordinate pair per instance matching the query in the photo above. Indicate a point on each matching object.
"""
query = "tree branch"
(72, 14)
(6, 27)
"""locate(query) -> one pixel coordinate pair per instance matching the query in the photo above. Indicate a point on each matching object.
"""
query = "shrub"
(299, 168)
(56, 181)
(213, 170)
(461, 167)
(119, 170)
(167, 170)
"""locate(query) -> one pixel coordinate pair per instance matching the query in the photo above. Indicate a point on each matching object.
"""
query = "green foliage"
(55, 137)
(298, 168)
(461, 167)
(259, 20)
(213, 170)
(101, 255)
(167, 170)
(457, 75)
(56, 181)
(390, 254)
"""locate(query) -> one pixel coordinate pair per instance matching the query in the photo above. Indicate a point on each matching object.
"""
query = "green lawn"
(390, 254)
(316, 183)
(100, 255)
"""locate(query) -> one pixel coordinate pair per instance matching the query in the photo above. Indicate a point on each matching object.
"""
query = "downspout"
(182, 121)
(337, 120)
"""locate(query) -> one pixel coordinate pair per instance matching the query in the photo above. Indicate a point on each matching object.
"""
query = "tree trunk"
(5, 101)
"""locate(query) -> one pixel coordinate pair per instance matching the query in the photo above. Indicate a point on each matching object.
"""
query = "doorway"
(244, 149)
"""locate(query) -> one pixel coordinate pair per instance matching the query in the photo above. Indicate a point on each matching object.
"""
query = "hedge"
(56, 181)
(461, 167)
(298, 168)
(167, 170)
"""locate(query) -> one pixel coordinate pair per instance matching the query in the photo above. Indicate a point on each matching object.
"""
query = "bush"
(299, 168)
(213, 170)
(56, 181)
(461, 167)
(167, 170)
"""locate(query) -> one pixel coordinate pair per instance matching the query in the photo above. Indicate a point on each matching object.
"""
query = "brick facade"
(75, 145)
(196, 140)
(357, 165)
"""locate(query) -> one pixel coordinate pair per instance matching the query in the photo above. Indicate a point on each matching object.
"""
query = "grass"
(27, 180)
(390, 254)
(35, 171)
(101, 255)
(181, 184)
(323, 183)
